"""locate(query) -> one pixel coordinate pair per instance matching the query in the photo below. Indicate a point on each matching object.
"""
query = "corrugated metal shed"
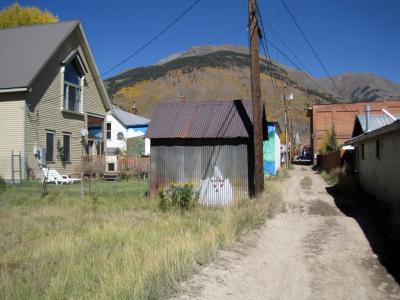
(202, 119)
(207, 143)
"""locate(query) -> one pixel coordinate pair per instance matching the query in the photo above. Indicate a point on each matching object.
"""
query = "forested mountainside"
(223, 72)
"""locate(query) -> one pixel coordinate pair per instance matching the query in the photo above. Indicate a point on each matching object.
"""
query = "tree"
(16, 15)
(329, 143)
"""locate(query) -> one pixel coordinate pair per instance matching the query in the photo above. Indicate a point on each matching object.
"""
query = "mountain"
(360, 86)
(223, 72)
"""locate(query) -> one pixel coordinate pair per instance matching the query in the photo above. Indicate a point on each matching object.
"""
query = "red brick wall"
(343, 117)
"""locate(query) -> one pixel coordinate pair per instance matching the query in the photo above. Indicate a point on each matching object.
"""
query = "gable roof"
(202, 119)
(375, 122)
(128, 119)
(24, 52)
(393, 126)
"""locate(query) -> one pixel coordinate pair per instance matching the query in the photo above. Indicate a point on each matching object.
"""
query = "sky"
(348, 35)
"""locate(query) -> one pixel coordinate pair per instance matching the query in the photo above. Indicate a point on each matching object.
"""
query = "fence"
(93, 165)
(97, 165)
(136, 164)
(336, 159)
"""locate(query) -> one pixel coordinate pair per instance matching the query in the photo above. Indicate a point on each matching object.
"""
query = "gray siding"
(194, 161)
(379, 177)
(12, 108)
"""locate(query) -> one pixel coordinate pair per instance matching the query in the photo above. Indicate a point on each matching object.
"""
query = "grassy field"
(114, 244)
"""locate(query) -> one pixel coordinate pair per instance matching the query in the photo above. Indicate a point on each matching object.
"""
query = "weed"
(281, 174)
(330, 178)
(127, 249)
(3, 184)
(178, 196)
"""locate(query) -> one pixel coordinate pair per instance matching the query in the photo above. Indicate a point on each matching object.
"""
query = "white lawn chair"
(64, 178)
(50, 177)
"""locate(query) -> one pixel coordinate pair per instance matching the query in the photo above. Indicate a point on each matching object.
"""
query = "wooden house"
(50, 89)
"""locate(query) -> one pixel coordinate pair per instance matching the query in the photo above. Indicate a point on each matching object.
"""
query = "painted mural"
(269, 152)
(216, 190)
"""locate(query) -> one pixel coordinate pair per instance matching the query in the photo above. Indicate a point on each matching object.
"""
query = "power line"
(285, 55)
(180, 16)
(268, 56)
(311, 47)
(227, 34)
(152, 40)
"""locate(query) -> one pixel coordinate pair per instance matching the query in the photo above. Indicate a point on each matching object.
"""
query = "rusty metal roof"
(201, 119)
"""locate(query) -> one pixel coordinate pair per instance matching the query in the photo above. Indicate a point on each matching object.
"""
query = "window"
(111, 167)
(108, 131)
(72, 88)
(49, 146)
(362, 151)
(378, 150)
(67, 147)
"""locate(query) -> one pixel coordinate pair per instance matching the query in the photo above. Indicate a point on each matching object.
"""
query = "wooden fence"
(96, 165)
(93, 164)
(336, 160)
(135, 164)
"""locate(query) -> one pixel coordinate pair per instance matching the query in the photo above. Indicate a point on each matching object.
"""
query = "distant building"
(377, 159)
(324, 116)
(122, 127)
(272, 149)
(206, 143)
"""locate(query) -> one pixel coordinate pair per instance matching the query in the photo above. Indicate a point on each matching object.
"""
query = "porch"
(125, 166)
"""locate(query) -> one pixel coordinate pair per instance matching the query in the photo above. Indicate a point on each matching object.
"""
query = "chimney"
(133, 108)
(367, 111)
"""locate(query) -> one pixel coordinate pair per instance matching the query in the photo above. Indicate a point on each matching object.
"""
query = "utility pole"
(256, 99)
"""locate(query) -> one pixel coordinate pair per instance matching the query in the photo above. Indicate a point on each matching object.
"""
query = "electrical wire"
(226, 35)
(311, 47)
(140, 49)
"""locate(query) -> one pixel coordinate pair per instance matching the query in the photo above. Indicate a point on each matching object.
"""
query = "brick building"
(342, 116)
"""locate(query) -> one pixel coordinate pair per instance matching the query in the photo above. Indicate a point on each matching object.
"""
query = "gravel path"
(310, 250)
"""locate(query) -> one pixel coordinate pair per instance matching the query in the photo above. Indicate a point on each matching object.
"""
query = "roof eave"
(371, 134)
(96, 75)
(14, 90)
(54, 51)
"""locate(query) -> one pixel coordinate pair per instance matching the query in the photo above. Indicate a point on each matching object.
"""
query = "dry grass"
(330, 178)
(114, 244)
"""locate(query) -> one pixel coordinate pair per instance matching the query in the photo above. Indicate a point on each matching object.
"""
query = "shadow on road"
(357, 207)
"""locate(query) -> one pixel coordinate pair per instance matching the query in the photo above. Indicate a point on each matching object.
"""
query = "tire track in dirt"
(310, 250)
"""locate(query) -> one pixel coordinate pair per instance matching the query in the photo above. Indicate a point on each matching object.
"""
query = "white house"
(123, 125)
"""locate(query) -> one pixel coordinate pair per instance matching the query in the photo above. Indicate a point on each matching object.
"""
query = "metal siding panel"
(194, 163)
(201, 119)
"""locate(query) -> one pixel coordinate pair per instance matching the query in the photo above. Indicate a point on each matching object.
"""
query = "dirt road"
(309, 250)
